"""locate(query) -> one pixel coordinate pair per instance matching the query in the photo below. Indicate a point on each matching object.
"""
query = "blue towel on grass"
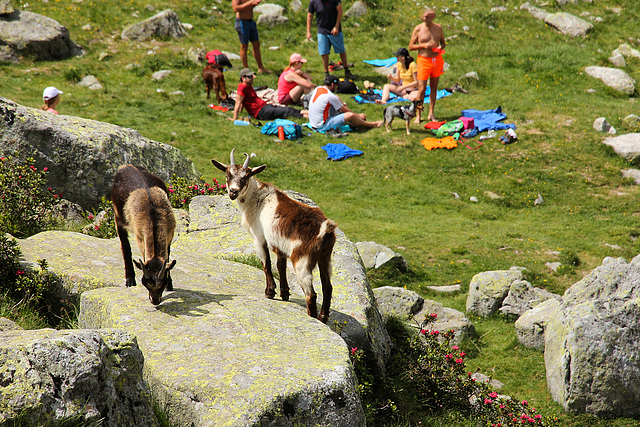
(343, 128)
(340, 152)
(381, 62)
(488, 119)
(394, 98)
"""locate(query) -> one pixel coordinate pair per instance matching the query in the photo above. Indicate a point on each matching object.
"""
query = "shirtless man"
(428, 39)
(248, 31)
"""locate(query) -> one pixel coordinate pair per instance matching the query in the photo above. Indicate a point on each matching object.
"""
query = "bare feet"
(264, 71)
(379, 101)
(432, 118)
(417, 120)
(377, 124)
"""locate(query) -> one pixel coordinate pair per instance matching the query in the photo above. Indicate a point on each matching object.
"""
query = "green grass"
(400, 194)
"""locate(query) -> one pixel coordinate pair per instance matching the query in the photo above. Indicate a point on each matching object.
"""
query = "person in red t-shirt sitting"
(258, 108)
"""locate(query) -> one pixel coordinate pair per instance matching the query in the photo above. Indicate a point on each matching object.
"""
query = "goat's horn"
(233, 160)
(246, 162)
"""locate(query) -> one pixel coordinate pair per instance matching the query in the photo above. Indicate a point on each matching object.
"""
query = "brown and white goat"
(141, 204)
(289, 228)
(213, 76)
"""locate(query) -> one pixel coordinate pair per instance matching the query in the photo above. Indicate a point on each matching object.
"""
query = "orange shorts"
(430, 67)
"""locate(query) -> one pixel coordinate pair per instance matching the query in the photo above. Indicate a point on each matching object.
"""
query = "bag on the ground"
(449, 128)
(346, 86)
(292, 130)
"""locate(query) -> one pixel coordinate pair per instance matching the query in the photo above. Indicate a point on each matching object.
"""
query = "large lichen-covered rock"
(94, 376)
(613, 77)
(83, 155)
(216, 232)
(487, 290)
(592, 351)
(375, 255)
(218, 353)
(568, 24)
(164, 24)
(448, 319)
(36, 36)
(523, 296)
(395, 301)
(627, 146)
(531, 325)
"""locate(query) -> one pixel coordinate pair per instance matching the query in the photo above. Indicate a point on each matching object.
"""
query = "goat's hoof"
(323, 318)
(130, 283)
(284, 296)
(270, 295)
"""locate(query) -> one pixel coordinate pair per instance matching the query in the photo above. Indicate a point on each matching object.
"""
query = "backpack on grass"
(292, 130)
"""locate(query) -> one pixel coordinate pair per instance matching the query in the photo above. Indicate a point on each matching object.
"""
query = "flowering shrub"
(26, 204)
(103, 224)
(428, 375)
(182, 190)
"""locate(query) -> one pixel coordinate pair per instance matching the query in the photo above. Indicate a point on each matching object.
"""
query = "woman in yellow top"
(404, 82)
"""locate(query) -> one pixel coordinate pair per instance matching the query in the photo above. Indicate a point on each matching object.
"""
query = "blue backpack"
(292, 130)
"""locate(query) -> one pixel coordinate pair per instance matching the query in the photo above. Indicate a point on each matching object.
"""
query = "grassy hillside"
(397, 193)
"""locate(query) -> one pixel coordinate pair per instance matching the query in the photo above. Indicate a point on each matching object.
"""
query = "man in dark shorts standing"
(257, 107)
(328, 17)
(248, 31)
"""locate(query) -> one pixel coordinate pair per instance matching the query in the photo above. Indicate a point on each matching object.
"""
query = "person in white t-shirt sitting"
(327, 111)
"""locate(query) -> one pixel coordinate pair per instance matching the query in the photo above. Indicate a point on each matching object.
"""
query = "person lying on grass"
(258, 108)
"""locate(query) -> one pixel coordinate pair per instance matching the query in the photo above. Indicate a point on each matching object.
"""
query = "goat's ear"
(257, 170)
(171, 265)
(138, 264)
(219, 165)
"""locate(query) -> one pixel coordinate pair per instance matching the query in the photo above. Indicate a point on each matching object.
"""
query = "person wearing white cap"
(51, 97)
(293, 82)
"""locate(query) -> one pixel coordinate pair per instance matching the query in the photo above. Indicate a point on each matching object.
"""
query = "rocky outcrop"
(592, 351)
(215, 348)
(568, 24)
(487, 290)
(627, 146)
(411, 307)
(8, 325)
(82, 155)
(165, 24)
(35, 36)
(531, 325)
(375, 255)
(523, 296)
(94, 376)
(613, 77)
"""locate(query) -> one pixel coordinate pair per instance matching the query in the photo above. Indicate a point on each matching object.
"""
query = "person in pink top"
(51, 97)
(294, 82)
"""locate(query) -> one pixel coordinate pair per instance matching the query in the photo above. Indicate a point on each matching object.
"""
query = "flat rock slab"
(613, 77)
(627, 146)
(219, 354)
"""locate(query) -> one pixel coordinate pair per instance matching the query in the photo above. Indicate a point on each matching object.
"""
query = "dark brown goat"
(289, 228)
(214, 79)
(141, 204)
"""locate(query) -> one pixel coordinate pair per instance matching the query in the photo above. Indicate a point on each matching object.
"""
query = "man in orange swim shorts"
(428, 39)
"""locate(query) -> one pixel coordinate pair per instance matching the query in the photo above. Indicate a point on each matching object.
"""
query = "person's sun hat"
(50, 93)
(402, 52)
(245, 72)
(296, 57)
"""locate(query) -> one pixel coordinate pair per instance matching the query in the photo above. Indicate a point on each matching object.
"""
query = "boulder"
(35, 36)
(523, 296)
(375, 255)
(357, 10)
(271, 20)
(617, 60)
(447, 319)
(83, 155)
(633, 174)
(5, 7)
(90, 82)
(568, 24)
(268, 9)
(626, 50)
(487, 290)
(631, 122)
(602, 125)
(534, 11)
(395, 301)
(627, 146)
(613, 77)
(88, 376)
(165, 24)
(592, 351)
(531, 325)
(215, 348)
(8, 325)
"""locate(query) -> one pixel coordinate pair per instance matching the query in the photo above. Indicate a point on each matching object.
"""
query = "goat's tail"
(327, 236)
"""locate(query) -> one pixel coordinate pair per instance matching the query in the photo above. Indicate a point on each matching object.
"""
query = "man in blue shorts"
(328, 17)
(248, 31)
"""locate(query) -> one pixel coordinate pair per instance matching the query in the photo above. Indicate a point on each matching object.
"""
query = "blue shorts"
(334, 122)
(326, 41)
(247, 30)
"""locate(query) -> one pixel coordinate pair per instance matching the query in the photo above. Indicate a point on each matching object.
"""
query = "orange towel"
(447, 142)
